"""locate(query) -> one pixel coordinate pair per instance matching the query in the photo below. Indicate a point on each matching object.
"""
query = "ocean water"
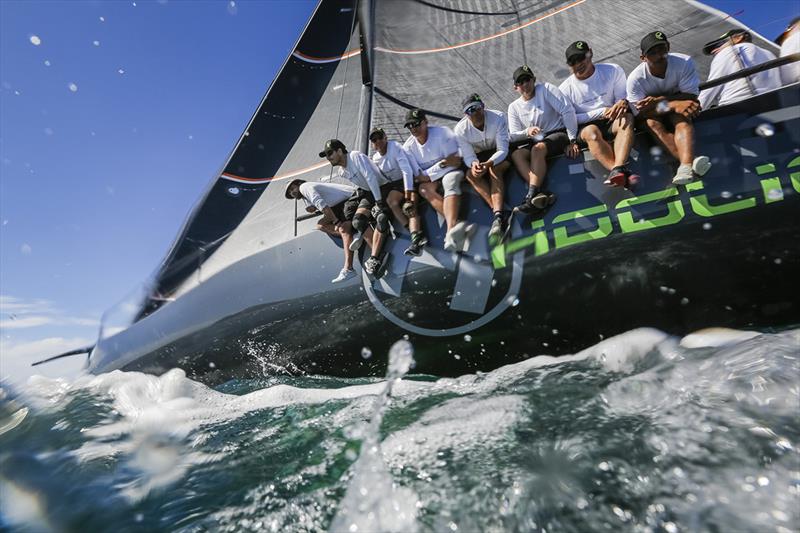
(642, 432)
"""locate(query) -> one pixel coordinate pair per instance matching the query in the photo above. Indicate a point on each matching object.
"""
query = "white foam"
(716, 337)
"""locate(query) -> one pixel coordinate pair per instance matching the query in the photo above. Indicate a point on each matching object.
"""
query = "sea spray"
(373, 502)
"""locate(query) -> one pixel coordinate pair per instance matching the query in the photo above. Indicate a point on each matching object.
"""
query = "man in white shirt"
(789, 41)
(366, 204)
(734, 52)
(434, 152)
(663, 90)
(544, 121)
(393, 162)
(482, 137)
(328, 199)
(598, 94)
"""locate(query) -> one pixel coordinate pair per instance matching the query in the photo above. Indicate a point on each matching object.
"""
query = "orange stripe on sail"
(279, 177)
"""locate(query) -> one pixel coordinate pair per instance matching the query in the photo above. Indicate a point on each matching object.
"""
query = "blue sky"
(114, 117)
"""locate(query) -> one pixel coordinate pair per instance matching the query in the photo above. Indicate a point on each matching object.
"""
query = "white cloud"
(18, 313)
(16, 358)
(29, 321)
(12, 304)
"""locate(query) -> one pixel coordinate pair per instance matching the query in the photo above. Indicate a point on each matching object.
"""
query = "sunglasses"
(574, 60)
(471, 110)
(522, 80)
(412, 125)
(328, 153)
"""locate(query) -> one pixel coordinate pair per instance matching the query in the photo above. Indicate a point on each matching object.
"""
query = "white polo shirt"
(791, 45)
(494, 136)
(395, 165)
(681, 77)
(733, 59)
(441, 142)
(363, 173)
(322, 195)
(592, 96)
(549, 110)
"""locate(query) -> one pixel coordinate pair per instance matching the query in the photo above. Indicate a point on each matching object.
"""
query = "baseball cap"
(378, 131)
(333, 144)
(414, 115)
(578, 48)
(652, 39)
(297, 181)
(470, 100)
(522, 72)
(710, 46)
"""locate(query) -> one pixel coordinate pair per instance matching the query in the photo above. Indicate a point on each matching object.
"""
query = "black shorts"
(360, 199)
(605, 126)
(396, 185)
(555, 141)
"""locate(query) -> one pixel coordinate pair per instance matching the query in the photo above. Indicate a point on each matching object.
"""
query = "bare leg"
(666, 138)
(538, 165)
(623, 138)
(346, 231)
(496, 176)
(428, 191)
(451, 204)
(684, 138)
(521, 159)
(395, 200)
(598, 146)
(481, 186)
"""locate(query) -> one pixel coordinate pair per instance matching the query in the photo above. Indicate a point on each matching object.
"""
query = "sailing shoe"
(496, 232)
(618, 177)
(371, 265)
(358, 242)
(469, 231)
(418, 242)
(455, 237)
(344, 275)
(684, 175)
(701, 165)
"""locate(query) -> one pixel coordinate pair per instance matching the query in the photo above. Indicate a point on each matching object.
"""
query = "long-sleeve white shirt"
(733, 59)
(549, 110)
(681, 77)
(493, 136)
(594, 95)
(395, 165)
(441, 143)
(322, 195)
(791, 45)
(363, 173)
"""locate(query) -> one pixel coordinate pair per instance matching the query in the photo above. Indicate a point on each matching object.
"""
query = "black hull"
(725, 252)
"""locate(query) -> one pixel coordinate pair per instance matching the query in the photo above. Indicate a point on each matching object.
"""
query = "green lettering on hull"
(795, 176)
(603, 227)
(701, 206)
(674, 214)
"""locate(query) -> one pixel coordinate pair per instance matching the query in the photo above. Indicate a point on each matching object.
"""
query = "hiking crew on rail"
(595, 107)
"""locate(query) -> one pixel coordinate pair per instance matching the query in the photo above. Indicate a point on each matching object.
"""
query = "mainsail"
(426, 53)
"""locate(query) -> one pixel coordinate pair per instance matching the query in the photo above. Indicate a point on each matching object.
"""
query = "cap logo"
(659, 35)
(526, 68)
(415, 113)
(579, 45)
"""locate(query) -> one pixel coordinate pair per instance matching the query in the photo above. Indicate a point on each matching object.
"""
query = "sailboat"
(245, 288)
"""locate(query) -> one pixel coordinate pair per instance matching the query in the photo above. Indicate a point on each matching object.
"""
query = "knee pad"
(360, 222)
(382, 223)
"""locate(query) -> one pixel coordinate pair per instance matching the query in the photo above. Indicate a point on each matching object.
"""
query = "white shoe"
(344, 275)
(455, 237)
(701, 165)
(469, 231)
(358, 241)
(683, 176)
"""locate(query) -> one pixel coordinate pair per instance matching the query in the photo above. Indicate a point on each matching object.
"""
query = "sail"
(428, 54)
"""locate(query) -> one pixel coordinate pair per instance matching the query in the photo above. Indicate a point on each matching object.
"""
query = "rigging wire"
(521, 33)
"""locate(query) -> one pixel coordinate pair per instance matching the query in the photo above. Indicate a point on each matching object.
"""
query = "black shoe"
(418, 242)
(536, 204)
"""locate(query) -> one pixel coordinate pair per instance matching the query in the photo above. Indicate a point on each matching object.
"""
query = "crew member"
(328, 199)
(663, 90)
(789, 41)
(394, 164)
(544, 121)
(597, 92)
(434, 152)
(366, 203)
(482, 137)
(734, 52)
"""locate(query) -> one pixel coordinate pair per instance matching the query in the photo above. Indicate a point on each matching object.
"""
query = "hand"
(452, 160)
(338, 225)
(572, 151)
(645, 102)
(534, 130)
(477, 169)
(617, 110)
(687, 108)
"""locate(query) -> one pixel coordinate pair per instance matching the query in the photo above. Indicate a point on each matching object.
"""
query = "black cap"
(414, 115)
(470, 100)
(332, 144)
(652, 39)
(710, 46)
(522, 72)
(378, 131)
(578, 48)
(785, 33)
(291, 183)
